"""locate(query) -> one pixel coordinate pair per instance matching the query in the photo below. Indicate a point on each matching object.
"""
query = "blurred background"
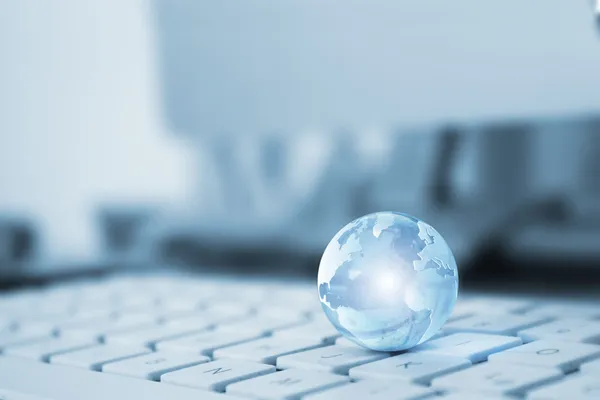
(240, 138)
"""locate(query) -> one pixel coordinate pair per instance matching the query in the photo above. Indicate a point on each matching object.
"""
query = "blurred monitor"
(267, 65)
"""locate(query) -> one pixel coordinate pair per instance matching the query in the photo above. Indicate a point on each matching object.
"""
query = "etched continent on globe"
(388, 281)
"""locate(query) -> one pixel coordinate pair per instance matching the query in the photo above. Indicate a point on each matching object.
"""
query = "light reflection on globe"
(388, 281)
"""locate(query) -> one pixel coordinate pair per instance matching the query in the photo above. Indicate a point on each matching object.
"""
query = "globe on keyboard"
(158, 337)
(388, 281)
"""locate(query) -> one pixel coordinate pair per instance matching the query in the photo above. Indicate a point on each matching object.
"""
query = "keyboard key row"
(22, 336)
(547, 354)
(335, 359)
(55, 382)
(216, 375)
(152, 366)
(208, 341)
(501, 324)
(475, 347)
(577, 387)
(42, 350)
(566, 329)
(497, 379)
(288, 384)
(149, 337)
(374, 391)
(267, 350)
(96, 357)
(418, 368)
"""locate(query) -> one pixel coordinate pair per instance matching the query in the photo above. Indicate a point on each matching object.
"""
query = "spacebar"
(54, 382)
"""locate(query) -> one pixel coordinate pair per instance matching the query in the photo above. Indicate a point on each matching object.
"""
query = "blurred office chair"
(405, 180)
(573, 235)
(18, 244)
(126, 232)
(420, 180)
(336, 199)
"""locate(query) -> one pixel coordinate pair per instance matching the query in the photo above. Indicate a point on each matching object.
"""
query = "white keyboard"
(168, 337)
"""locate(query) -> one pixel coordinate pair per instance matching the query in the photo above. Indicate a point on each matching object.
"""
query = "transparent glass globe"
(388, 281)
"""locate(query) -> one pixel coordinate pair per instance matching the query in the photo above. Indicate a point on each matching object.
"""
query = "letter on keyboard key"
(374, 390)
(267, 350)
(338, 359)
(43, 350)
(217, 374)
(413, 367)
(289, 384)
(567, 329)
(497, 379)
(95, 357)
(507, 324)
(550, 354)
(578, 387)
(152, 366)
(206, 342)
(475, 347)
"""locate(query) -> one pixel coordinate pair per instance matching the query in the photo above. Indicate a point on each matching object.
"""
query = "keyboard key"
(149, 337)
(506, 324)
(591, 367)
(577, 387)
(497, 379)
(323, 331)
(231, 310)
(177, 306)
(475, 347)
(153, 365)
(342, 341)
(95, 357)
(205, 319)
(207, 342)
(468, 396)
(562, 355)
(267, 350)
(44, 349)
(569, 310)
(419, 368)
(288, 384)
(337, 359)
(374, 390)
(470, 307)
(265, 324)
(217, 374)
(6, 325)
(504, 304)
(289, 311)
(7, 395)
(21, 336)
(99, 329)
(56, 382)
(566, 329)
